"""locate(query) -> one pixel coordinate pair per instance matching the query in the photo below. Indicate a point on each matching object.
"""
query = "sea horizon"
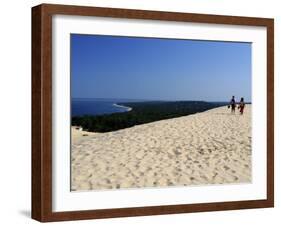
(146, 100)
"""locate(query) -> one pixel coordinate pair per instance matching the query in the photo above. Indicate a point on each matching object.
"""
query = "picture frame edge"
(41, 115)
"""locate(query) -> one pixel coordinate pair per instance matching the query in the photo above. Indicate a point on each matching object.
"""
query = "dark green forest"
(141, 113)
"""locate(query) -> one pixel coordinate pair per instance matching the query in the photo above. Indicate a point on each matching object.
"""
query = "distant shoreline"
(122, 106)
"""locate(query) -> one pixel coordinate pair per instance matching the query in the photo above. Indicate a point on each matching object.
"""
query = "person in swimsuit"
(232, 104)
(241, 106)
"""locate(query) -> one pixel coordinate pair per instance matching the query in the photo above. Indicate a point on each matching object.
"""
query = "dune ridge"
(212, 147)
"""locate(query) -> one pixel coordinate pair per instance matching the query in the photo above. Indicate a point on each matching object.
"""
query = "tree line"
(141, 113)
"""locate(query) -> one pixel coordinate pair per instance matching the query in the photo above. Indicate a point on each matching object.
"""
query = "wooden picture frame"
(42, 112)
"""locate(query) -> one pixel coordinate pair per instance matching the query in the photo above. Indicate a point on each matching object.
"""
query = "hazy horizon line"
(139, 99)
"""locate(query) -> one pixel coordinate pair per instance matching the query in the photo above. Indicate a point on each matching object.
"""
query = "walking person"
(241, 106)
(232, 104)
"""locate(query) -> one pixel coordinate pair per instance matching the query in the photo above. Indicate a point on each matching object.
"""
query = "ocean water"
(96, 106)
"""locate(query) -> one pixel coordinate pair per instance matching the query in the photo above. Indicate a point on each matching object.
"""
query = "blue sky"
(159, 69)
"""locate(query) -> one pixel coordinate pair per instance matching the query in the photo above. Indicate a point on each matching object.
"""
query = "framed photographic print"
(146, 112)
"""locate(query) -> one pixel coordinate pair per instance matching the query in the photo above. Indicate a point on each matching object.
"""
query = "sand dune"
(213, 147)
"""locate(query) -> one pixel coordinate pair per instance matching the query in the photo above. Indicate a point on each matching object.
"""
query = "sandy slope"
(213, 147)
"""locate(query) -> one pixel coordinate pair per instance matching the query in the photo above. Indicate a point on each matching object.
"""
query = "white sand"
(213, 147)
(122, 106)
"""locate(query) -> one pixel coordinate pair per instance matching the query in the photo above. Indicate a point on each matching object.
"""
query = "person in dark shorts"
(241, 106)
(232, 104)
